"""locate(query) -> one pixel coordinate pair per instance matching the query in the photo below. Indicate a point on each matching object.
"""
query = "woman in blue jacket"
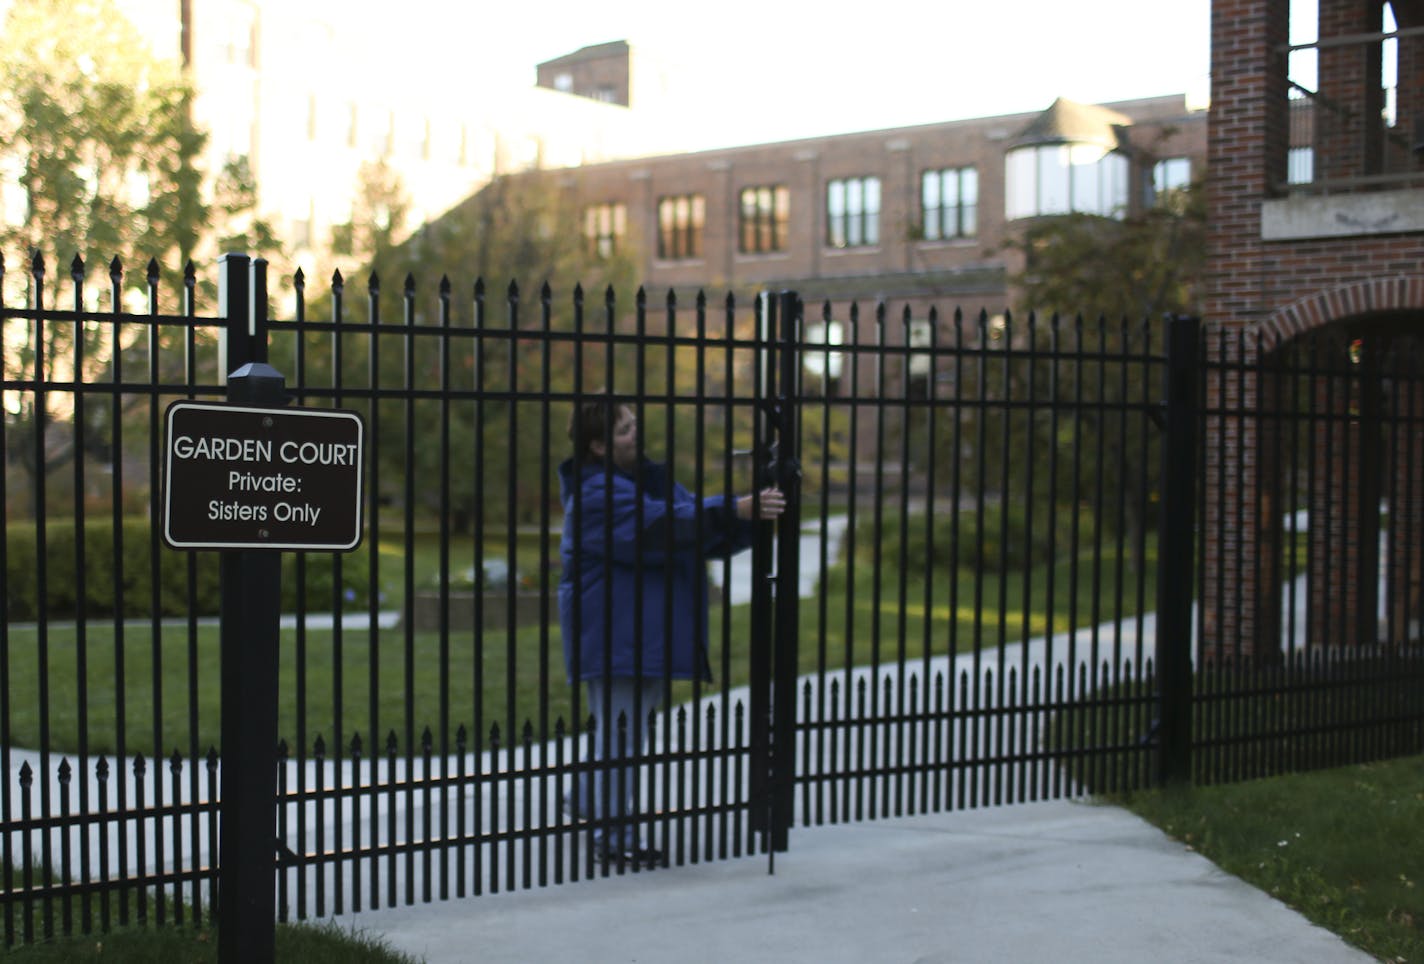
(633, 598)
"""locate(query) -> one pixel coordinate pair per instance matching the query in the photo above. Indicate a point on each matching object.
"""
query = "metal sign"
(262, 478)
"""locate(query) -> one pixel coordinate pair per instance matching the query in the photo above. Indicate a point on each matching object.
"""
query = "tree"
(378, 215)
(1145, 265)
(237, 225)
(1112, 282)
(519, 230)
(100, 129)
(100, 133)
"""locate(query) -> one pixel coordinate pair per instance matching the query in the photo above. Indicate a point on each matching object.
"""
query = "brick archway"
(1358, 298)
(1362, 445)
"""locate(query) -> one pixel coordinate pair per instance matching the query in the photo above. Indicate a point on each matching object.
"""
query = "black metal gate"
(990, 636)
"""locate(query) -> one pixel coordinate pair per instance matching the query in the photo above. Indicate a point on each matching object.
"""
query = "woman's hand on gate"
(767, 504)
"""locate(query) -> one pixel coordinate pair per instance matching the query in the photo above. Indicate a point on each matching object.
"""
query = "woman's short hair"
(592, 421)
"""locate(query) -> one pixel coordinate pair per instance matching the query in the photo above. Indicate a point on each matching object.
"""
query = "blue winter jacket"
(612, 575)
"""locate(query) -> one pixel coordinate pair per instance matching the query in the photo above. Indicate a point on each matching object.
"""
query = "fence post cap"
(256, 383)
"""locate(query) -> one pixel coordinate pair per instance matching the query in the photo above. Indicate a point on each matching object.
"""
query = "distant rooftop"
(601, 72)
(613, 48)
(1068, 121)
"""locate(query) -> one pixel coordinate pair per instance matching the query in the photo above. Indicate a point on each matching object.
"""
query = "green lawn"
(390, 675)
(296, 944)
(1342, 846)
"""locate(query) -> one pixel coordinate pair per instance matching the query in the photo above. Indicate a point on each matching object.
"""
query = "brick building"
(917, 214)
(602, 72)
(1316, 231)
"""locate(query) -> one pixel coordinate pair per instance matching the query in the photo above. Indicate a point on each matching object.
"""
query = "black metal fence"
(1310, 651)
(990, 635)
(983, 593)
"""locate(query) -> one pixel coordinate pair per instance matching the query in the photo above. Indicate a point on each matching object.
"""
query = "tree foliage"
(521, 228)
(378, 216)
(1145, 265)
(98, 132)
(511, 242)
(1100, 288)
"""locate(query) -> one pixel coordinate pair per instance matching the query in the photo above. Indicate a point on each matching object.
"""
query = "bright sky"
(796, 69)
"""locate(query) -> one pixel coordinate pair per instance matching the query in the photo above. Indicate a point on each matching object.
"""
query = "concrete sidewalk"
(1057, 881)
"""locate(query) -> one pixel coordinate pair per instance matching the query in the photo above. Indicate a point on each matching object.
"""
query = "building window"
(949, 200)
(680, 221)
(604, 226)
(379, 130)
(1050, 179)
(820, 358)
(605, 94)
(1171, 174)
(1300, 165)
(564, 83)
(238, 37)
(853, 212)
(765, 215)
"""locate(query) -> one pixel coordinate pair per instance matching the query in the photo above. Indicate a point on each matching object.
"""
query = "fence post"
(251, 596)
(763, 639)
(786, 475)
(1176, 548)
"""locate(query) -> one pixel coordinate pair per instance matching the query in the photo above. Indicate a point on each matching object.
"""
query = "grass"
(378, 678)
(1341, 846)
(327, 943)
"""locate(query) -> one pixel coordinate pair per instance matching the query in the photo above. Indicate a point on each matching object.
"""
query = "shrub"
(1010, 539)
(120, 573)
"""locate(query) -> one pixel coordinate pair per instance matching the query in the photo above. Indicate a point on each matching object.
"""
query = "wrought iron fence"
(1310, 653)
(988, 630)
(983, 593)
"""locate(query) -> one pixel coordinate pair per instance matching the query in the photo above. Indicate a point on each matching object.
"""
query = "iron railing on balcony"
(1352, 125)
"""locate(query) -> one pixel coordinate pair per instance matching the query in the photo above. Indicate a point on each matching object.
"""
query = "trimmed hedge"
(1008, 540)
(132, 594)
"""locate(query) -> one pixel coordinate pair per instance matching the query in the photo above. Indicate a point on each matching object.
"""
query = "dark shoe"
(645, 858)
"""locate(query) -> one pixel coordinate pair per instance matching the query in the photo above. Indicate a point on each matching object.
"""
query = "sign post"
(253, 478)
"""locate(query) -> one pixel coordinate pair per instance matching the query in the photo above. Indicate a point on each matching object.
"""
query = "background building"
(916, 214)
(308, 93)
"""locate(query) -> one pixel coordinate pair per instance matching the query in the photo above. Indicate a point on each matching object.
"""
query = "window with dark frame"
(853, 212)
(765, 215)
(1171, 174)
(949, 203)
(680, 221)
(604, 226)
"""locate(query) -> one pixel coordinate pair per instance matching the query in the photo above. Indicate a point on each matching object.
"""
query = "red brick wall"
(1348, 142)
(1261, 293)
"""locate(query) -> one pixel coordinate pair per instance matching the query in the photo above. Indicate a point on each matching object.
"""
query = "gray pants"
(608, 794)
